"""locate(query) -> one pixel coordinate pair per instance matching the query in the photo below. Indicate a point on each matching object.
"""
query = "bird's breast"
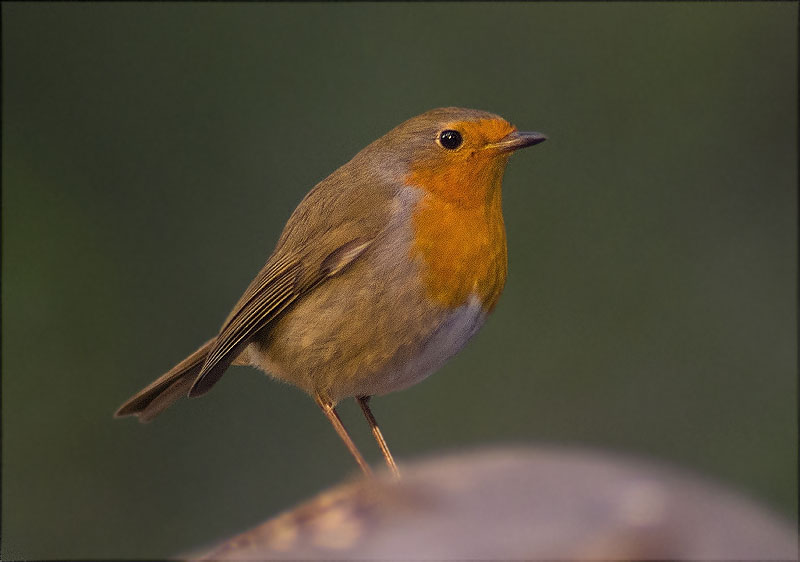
(462, 250)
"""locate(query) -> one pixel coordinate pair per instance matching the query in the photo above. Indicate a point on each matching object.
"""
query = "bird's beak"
(516, 140)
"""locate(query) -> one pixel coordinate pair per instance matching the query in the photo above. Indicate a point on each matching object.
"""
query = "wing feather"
(272, 294)
(276, 287)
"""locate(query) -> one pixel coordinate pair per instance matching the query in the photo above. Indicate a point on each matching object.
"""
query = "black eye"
(450, 139)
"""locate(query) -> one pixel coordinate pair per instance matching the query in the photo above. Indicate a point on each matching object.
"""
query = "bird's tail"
(162, 392)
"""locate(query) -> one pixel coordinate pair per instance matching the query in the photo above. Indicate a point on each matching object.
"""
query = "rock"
(537, 503)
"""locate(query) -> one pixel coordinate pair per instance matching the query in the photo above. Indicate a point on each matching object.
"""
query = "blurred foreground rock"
(524, 504)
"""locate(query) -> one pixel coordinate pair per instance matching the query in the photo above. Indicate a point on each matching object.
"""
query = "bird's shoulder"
(349, 204)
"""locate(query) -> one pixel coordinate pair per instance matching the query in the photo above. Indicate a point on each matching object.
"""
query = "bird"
(383, 272)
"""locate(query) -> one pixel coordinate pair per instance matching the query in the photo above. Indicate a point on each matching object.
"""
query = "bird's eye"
(450, 139)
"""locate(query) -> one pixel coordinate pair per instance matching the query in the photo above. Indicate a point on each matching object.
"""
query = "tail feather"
(161, 393)
(161, 402)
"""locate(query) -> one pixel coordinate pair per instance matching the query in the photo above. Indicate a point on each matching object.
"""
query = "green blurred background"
(153, 152)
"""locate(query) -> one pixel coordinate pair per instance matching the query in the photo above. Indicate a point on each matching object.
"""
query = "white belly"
(437, 348)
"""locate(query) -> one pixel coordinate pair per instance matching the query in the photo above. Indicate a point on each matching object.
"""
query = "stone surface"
(537, 503)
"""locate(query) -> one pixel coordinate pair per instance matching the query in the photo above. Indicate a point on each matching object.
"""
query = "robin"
(384, 271)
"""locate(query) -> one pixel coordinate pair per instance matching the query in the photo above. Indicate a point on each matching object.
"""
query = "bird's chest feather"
(462, 250)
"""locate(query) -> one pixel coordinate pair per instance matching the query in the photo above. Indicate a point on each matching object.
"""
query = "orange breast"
(461, 242)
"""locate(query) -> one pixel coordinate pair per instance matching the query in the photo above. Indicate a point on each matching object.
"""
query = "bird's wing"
(282, 281)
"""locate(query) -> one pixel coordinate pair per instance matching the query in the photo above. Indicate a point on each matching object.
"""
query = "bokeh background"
(152, 153)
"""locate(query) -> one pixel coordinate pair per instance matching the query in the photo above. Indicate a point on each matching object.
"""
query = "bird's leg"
(363, 401)
(330, 412)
